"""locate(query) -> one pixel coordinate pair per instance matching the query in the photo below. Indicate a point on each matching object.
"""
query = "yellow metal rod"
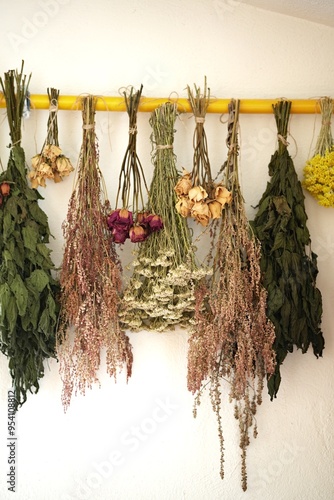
(148, 104)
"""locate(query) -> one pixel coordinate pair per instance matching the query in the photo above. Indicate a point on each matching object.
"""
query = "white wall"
(139, 441)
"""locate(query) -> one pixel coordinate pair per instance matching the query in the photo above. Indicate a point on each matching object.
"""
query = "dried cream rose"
(51, 152)
(215, 209)
(45, 170)
(184, 206)
(197, 193)
(35, 161)
(36, 180)
(223, 195)
(64, 165)
(201, 212)
(184, 184)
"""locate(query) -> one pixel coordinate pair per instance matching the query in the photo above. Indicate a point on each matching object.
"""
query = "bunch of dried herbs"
(232, 338)
(28, 291)
(198, 195)
(288, 264)
(160, 293)
(51, 163)
(319, 170)
(90, 277)
(131, 221)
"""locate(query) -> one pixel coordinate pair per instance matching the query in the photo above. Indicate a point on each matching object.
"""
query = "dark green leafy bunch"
(28, 307)
(289, 266)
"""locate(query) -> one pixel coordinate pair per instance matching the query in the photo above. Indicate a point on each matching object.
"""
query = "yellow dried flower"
(319, 178)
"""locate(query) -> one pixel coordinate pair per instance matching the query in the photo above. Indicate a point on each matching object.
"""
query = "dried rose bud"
(119, 236)
(197, 193)
(141, 217)
(120, 218)
(184, 206)
(138, 234)
(183, 186)
(35, 161)
(154, 222)
(223, 195)
(201, 213)
(51, 152)
(5, 188)
(63, 165)
(215, 209)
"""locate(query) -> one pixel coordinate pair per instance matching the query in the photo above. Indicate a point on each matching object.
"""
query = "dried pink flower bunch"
(90, 278)
(123, 223)
(232, 339)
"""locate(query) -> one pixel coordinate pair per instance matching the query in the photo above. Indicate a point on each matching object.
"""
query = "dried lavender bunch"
(160, 293)
(232, 338)
(90, 277)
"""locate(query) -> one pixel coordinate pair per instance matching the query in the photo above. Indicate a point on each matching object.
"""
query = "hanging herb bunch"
(50, 163)
(288, 265)
(131, 221)
(319, 170)
(198, 195)
(232, 338)
(28, 291)
(90, 277)
(160, 293)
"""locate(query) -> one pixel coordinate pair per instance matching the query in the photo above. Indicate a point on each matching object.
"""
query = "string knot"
(282, 139)
(164, 146)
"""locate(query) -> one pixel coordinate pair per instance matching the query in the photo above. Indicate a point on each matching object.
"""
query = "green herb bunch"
(28, 291)
(160, 293)
(232, 338)
(288, 264)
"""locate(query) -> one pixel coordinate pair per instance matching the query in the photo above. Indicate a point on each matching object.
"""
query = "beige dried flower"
(201, 213)
(215, 208)
(197, 193)
(51, 152)
(184, 184)
(223, 195)
(184, 206)
(63, 165)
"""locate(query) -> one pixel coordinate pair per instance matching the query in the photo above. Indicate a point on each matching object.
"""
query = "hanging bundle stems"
(288, 265)
(28, 291)
(232, 338)
(319, 170)
(90, 277)
(198, 196)
(123, 222)
(161, 290)
(50, 163)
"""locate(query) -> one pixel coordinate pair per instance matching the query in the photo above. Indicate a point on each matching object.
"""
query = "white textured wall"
(139, 441)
